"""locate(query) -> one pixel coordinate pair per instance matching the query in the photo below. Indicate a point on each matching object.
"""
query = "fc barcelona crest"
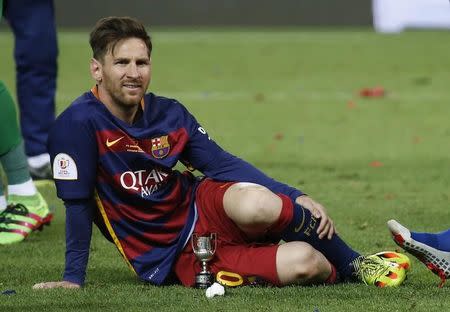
(160, 146)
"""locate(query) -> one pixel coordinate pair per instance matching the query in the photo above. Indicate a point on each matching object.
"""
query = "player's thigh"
(251, 205)
(298, 262)
(212, 217)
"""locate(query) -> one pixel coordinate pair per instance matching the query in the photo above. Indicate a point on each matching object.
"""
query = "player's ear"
(96, 70)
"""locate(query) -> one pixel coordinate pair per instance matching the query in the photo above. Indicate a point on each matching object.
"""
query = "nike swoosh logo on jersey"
(111, 143)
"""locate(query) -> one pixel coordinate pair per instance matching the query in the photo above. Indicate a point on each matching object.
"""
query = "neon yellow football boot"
(375, 270)
(23, 215)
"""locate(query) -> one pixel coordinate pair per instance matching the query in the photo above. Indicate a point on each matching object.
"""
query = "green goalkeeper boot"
(23, 215)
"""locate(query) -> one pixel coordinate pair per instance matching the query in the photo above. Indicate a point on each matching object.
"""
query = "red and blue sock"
(298, 224)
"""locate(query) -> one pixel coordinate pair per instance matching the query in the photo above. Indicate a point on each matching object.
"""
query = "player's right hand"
(326, 226)
(60, 284)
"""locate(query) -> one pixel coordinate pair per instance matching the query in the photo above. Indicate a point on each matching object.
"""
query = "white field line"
(235, 36)
(274, 96)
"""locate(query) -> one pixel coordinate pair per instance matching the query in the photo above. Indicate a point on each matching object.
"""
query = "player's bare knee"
(252, 204)
(300, 263)
(261, 205)
(306, 263)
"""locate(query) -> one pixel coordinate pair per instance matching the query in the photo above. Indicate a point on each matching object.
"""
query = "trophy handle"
(214, 239)
(193, 241)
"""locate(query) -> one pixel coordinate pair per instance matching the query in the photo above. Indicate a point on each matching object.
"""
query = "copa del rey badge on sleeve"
(64, 167)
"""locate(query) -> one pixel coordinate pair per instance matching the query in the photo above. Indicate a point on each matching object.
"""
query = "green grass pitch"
(286, 101)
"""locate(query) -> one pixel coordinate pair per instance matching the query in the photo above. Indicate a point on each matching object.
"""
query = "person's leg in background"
(23, 210)
(432, 249)
(36, 51)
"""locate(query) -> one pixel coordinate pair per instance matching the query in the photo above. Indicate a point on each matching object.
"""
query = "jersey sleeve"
(79, 215)
(205, 155)
(73, 152)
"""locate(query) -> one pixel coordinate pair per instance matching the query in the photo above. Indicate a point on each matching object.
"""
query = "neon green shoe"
(374, 270)
(35, 204)
(15, 225)
(23, 215)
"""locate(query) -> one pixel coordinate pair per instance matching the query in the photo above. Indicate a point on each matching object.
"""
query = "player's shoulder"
(80, 110)
(74, 123)
(162, 100)
(164, 104)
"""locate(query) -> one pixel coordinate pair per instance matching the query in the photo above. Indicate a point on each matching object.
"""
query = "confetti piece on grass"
(374, 92)
(376, 164)
(279, 136)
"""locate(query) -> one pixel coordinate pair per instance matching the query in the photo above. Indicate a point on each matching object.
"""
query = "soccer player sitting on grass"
(433, 249)
(113, 152)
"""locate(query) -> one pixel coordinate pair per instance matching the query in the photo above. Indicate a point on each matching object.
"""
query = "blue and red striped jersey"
(144, 205)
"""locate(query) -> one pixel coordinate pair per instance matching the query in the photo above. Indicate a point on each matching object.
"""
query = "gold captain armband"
(229, 279)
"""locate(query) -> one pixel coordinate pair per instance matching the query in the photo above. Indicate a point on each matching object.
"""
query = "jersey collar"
(94, 91)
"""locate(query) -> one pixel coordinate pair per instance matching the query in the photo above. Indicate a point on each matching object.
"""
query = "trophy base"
(204, 280)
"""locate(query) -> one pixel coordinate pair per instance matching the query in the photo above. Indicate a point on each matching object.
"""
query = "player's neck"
(126, 113)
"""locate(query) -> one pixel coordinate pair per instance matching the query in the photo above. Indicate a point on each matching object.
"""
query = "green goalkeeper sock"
(2, 193)
(15, 165)
(9, 125)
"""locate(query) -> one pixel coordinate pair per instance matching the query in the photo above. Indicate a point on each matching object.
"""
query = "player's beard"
(124, 97)
(131, 96)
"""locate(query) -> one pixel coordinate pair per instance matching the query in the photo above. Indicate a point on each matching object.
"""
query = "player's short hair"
(110, 30)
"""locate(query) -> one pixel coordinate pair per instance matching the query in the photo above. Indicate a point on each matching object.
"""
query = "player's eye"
(142, 63)
(121, 62)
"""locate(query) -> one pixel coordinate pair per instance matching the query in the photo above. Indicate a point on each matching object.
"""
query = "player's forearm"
(74, 276)
(78, 238)
(76, 263)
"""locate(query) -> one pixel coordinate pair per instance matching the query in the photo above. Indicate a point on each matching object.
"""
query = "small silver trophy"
(204, 248)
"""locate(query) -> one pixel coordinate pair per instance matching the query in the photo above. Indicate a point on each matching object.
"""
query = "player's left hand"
(326, 227)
